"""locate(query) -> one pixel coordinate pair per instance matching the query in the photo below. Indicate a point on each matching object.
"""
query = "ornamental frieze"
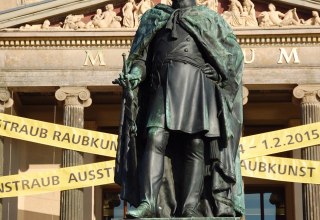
(239, 14)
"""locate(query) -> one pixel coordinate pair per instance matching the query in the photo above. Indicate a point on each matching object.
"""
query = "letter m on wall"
(293, 54)
(93, 60)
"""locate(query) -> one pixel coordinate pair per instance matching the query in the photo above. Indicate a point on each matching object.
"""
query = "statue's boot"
(150, 178)
(222, 209)
(144, 210)
(193, 178)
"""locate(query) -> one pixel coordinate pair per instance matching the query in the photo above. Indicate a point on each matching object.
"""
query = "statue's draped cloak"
(216, 39)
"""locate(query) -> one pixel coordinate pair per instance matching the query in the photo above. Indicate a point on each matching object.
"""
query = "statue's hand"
(211, 73)
(131, 80)
(121, 81)
(136, 75)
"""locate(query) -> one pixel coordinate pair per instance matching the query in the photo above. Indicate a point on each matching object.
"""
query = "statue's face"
(315, 14)
(272, 7)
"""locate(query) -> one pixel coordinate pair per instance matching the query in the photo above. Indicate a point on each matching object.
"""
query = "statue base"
(191, 218)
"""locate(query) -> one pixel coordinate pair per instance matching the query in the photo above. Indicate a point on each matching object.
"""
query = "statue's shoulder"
(201, 11)
(202, 16)
(151, 21)
(159, 12)
(154, 19)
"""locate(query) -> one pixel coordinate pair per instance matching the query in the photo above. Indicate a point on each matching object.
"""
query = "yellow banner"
(282, 169)
(57, 179)
(252, 152)
(271, 168)
(58, 135)
(280, 141)
(106, 144)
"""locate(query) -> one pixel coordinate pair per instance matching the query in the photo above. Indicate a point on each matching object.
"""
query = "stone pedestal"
(76, 98)
(5, 102)
(310, 109)
(191, 218)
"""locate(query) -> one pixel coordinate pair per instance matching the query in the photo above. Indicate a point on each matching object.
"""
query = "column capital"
(74, 96)
(245, 94)
(309, 93)
(5, 100)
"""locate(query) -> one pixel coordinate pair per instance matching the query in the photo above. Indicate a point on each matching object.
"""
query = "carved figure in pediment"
(110, 18)
(97, 19)
(73, 22)
(44, 26)
(127, 11)
(277, 18)
(145, 5)
(234, 14)
(249, 13)
(142, 7)
(291, 18)
(315, 20)
(211, 4)
(116, 22)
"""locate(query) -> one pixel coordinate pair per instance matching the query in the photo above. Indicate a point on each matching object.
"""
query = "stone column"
(5, 102)
(76, 98)
(245, 94)
(310, 109)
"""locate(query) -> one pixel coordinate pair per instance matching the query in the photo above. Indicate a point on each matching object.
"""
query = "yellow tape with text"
(57, 179)
(58, 135)
(271, 168)
(252, 152)
(105, 144)
(280, 141)
(282, 169)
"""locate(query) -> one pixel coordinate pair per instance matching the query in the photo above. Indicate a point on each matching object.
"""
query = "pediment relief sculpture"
(142, 7)
(211, 4)
(107, 19)
(73, 22)
(128, 14)
(45, 26)
(239, 14)
(314, 20)
(133, 12)
(110, 18)
(277, 18)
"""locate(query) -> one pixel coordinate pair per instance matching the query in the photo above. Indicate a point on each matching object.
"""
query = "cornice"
(115, 38)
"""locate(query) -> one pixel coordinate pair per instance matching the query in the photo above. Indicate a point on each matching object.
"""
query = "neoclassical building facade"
(58, 59)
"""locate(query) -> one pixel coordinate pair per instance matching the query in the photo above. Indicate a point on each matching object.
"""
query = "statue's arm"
(138, 70)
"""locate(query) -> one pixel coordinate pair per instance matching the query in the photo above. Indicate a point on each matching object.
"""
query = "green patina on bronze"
(217, 39)
(223, 52)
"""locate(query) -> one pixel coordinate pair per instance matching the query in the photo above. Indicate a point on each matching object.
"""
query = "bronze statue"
(182, 115)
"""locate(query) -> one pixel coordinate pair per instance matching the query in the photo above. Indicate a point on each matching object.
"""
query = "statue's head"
(109, 7)
(272, 7)
(183, 3)
(315, 14)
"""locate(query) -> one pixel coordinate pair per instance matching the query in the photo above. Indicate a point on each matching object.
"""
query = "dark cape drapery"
(216, 39)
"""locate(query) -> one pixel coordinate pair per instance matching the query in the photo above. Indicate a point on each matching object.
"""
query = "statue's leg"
(193, 176)
(151, 172)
